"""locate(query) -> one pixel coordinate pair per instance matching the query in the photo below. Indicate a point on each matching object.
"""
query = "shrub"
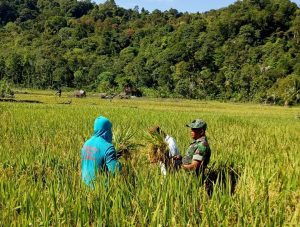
(5, 90)
(287, 89)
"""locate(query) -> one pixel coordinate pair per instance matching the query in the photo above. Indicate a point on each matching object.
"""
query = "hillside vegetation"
(248, 51)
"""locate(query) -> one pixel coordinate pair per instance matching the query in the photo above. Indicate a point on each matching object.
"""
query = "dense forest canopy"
(249, 51)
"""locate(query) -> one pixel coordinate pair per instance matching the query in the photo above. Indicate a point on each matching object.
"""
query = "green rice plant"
(40, 172)
(124, 142)
(224, 176)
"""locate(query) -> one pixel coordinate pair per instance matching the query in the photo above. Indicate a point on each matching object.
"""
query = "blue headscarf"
(103, 128)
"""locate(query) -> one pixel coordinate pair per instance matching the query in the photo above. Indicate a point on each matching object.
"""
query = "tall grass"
(40, 181)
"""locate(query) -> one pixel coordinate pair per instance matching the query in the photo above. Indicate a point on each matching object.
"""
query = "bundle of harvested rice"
(157, 149)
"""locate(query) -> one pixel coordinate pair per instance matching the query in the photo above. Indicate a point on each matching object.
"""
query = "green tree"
(54, 24)
(80, 8)
(106, 82)
(2, 68)
(8, 12)
(14, 68)
(62, 77)
(287, 89)
(43, 73)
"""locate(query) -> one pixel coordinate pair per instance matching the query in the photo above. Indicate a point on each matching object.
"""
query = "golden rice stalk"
(157, 149)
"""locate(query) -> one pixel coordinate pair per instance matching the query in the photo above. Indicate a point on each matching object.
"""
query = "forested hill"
(247, 51)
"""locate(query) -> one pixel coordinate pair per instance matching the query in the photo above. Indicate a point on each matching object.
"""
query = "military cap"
(198, 123)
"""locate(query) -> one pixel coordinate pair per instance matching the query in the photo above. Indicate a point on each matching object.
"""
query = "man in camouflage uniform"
(198, 154)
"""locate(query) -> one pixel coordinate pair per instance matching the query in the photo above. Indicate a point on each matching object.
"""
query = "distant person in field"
(98, 153)
(58, 92)
(172, 147)
(198, 153)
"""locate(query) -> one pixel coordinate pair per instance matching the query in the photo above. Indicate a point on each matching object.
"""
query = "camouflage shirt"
(198, 150)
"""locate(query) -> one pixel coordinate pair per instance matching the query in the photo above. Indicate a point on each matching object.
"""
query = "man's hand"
(177, 157)
(193, 166)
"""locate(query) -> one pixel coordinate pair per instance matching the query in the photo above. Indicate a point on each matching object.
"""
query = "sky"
(191, 6)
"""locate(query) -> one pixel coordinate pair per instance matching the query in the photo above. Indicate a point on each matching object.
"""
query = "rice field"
(40, 178)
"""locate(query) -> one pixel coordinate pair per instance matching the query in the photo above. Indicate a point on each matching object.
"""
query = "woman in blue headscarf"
(98, 153)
